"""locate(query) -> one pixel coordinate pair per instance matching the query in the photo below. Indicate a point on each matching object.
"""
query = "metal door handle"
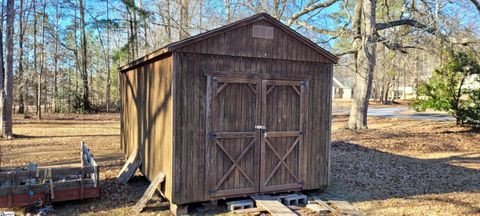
(260, 127)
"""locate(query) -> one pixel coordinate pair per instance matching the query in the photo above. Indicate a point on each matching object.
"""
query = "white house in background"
(403, 92)
(340, 91)
(472, 82)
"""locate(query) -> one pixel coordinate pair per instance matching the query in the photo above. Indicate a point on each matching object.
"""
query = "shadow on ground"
(363, 174)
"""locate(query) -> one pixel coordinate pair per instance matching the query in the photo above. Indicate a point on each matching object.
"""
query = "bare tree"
(107, 59)
(84, 73)
(42, 61)
(9, 72)
(21, 83)
(366, 60)
(55, 60)
(2, 80)
(183, 30)
(35, 62)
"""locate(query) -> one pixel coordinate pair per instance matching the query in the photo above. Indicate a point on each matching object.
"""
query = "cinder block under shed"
(240, 204)
(294, 199)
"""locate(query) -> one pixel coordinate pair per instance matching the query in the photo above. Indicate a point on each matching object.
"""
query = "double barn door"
(255, 133)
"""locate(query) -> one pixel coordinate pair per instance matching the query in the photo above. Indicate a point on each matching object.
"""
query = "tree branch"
(347, 52)
(336, 33)
(409, 22)
(477, 4)
(309, 9)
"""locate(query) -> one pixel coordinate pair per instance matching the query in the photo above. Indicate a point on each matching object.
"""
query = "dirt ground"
(397, 167)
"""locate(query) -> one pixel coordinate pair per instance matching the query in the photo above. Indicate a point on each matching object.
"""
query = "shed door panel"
(233, 145)
(282, 141)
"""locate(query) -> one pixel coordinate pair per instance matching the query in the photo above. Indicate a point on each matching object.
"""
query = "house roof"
(214, 32)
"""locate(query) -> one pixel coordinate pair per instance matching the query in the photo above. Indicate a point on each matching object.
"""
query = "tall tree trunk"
(69, 89)
(35, 62)
(21, 83)
(366, 64)
(131, 34)
(168, 27)
(143, 15)
(78, 65)
(2, 80)
(107, 59)
(184, 20)
(135, 31)
(84, 73)
(55, 62)
(42, 61)
(9, 73)
(228, 10)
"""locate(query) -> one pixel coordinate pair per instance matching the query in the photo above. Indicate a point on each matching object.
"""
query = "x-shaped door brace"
(281, 160)
(235, 163)
(293, 86)
(250, 86)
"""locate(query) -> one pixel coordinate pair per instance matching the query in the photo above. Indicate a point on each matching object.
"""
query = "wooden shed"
(238, 110)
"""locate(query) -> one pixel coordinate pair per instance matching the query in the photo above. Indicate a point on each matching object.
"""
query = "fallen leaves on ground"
(397, 167)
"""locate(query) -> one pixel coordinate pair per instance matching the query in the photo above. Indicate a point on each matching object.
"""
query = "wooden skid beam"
(273, 205)
(249, 210)
(324, 204)
(128, 170)
(345, 207)
(149, 192)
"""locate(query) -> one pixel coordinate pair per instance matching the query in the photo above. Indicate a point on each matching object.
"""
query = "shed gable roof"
(261, 17)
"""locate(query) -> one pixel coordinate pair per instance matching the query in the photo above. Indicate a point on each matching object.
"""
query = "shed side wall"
(147, 117)
(190, 84)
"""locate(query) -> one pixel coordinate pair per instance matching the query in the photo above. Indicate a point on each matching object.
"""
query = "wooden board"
(345, 207)
(324, 204)
(142, 202)
(273, 205)
(128, 170)
(249, 210)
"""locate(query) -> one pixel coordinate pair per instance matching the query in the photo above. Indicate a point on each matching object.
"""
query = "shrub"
(454, 88)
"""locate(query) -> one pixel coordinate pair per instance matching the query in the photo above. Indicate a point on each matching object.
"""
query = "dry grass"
(55, 140)
(398, 167)
(406, 167)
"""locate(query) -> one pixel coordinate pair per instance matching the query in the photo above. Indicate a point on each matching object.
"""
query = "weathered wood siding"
(240, 42)
(190, 107)
(147, 116)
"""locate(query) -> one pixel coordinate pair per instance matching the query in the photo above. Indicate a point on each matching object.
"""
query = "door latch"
(260, 127)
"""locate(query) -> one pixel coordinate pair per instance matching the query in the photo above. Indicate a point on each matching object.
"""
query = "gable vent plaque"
(261, 31)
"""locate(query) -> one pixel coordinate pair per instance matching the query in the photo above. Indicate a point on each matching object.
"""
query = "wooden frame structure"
(242, 109)
(27, 186)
